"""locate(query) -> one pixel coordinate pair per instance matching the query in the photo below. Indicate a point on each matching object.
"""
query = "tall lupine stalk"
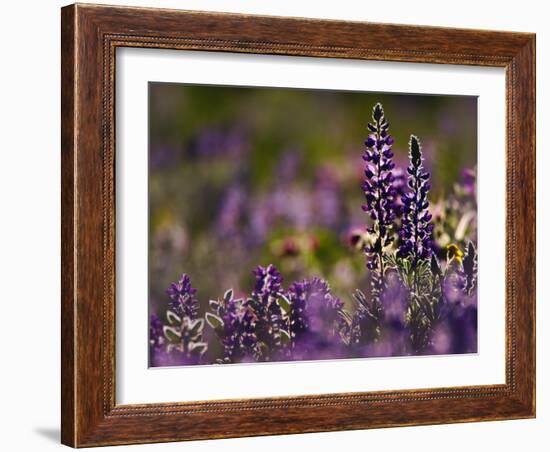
(234, 322)
(264, 300)
(380, 196)
(416, 246)
(416, 229)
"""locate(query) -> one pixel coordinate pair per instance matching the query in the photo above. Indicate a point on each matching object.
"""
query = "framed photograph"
(281, 225)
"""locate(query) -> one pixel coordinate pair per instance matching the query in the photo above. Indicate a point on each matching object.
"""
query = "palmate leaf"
(391, 260)
(424, 276)
(399, 264)
(367, 307)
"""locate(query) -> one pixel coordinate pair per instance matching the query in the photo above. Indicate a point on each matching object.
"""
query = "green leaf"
(198, 348)
(284, 303)
(360, 298)
(214, 321)
(172, 334)
(173, 318)
(228, 296)
(435, 267)
(345, 315)
(264, 349)
(285, 337)
(195, 327)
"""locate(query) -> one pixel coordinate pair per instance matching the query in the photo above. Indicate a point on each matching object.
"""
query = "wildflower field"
(289, 224)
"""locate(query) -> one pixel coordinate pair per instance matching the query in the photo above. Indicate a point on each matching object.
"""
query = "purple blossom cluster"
(265, 302)
(182, 298)
(316, 320)
(422, 297)
(178, 340)
(379, 191)
(416, 228)
(234, 322)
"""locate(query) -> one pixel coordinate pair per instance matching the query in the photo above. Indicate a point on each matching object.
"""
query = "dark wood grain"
(68, 311)
(90, 36)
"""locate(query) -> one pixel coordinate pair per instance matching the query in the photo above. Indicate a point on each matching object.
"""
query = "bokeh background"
(245, 176)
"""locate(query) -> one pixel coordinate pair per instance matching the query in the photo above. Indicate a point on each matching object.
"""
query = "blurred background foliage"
(241, 176)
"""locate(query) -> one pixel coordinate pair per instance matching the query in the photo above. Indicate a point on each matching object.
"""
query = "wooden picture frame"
(90, 36)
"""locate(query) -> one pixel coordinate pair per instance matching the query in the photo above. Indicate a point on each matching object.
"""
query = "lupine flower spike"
(264, 301)
(234, 322)
(182, 298)
(416, 229)
(379, 194)
(315, 317)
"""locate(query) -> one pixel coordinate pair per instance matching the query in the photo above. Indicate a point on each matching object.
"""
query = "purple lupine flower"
(234, 322)
(400, 186)
(264, 302)
(156, 334)
(240, 339)
(298, 320)
(416, 228)
(182, 342)
(379, 194)
(182, 298)
(268, 284)
(315, 320)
